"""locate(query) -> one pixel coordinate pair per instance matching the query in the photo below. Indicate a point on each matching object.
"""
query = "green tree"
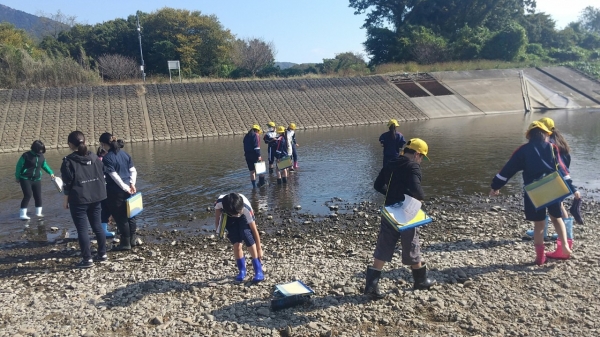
(506, 44)
(199, 41)
(590, 19)
(347, 63)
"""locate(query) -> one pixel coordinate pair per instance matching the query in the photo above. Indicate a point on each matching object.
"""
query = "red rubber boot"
(540, 256)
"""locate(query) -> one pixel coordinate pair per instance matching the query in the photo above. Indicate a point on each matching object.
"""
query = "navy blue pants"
(294, 153)
(105, 215)
(86, 216)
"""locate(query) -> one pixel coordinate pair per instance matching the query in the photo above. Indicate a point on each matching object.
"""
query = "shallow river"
(176, 177)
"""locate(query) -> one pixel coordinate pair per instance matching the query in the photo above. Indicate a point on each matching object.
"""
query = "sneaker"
(85, 264)
(98, 258)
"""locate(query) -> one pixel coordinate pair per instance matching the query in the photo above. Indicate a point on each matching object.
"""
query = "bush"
(568, 55)
(536, 49)
(506, 44)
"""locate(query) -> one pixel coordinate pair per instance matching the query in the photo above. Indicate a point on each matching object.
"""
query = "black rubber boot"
(284, 180)
(421, 280)
(261, 181)
(279, 181)
(271, 170)
(372, 285)
(124, 244)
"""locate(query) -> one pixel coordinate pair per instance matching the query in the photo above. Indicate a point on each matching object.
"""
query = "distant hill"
(32, 24)
(284, 65)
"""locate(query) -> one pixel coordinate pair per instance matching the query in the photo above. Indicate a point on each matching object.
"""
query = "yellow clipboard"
(134, 205)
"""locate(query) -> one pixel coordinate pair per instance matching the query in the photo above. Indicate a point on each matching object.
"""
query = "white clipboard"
(58, 183)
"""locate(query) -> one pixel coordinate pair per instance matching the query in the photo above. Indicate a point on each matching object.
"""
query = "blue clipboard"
(134, 205)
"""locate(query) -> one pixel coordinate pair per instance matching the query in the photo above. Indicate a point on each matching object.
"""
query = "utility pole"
(139, 30)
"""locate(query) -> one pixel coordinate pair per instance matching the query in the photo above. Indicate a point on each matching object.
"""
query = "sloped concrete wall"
(189, 110)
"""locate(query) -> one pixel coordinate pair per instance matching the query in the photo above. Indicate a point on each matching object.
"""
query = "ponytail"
(112, 141)
(77, 138)
(393, 132)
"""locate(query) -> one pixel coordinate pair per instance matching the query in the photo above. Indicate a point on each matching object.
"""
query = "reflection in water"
(179, 176)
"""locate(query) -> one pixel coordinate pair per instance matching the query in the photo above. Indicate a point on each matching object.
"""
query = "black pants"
(105, 214)
(117, 205)
(84, 216)
(30, 188)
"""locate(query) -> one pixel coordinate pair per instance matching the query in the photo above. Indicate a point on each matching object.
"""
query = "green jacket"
(30, 166)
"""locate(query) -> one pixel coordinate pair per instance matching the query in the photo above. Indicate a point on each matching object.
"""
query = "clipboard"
(222, 224)
(293, 288)
(260, 167)
(58, 183)
(134, 205)
(405, 215)
(284, 163)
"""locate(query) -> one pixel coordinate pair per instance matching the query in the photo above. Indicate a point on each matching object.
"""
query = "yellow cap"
(537, 125)
(281, 129)
(271, 124)
(418, 145)
(548, 122)
(292, 126)
(393, 122)
(256, 127)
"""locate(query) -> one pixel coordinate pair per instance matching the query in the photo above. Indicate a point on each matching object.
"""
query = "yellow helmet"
(548, 122)
(537, 125)
(271, 124)
(281, 129)
(292, 126)
(393, 122)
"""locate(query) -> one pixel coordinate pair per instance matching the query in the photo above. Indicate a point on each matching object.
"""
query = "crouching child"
(235, 210)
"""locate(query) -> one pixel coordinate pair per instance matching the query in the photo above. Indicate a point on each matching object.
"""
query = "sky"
(303, 31)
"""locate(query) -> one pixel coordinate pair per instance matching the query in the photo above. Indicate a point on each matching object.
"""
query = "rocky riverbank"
(183, 285)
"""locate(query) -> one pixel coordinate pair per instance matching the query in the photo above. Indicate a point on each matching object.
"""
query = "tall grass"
(19, 70)
(413, 67)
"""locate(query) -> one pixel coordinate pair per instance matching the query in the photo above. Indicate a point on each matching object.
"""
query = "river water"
(183, 177)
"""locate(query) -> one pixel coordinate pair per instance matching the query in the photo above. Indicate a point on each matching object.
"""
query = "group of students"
(95, 186)
(281, 144)
(545, 152)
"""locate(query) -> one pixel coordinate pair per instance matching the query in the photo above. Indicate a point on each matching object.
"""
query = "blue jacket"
(535, 159)
(119, 162)
(270, 138)
(392, 143)
(252, 144)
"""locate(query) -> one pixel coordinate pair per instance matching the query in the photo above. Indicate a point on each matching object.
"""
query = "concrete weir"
(153, 112)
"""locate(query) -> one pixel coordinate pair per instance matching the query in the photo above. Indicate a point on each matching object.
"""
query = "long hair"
(393, 132)
(77, 138)
(560, 141)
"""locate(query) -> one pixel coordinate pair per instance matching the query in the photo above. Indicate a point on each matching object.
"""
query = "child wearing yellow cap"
(391, 141)
(252, 152)
(537, 158)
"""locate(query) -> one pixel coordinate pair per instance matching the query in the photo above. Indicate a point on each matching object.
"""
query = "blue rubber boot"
(241, 264)
(258, 272)
(106, 232)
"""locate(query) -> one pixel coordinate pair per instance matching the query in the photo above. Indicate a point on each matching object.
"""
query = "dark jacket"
(83, 178)
(30, 166)
(281, 148)
(392, 143)
(119, 162)
(535, 159)
(405, 179)
(269, 139)
(252, 144)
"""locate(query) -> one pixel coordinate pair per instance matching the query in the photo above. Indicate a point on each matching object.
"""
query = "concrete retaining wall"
(190, 110)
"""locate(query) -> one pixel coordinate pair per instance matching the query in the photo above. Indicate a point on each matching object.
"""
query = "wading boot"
(271, 170)
(23, 214)
(540, 256)
(278, 181)
(133, 241)
(124, 244)
(558, 253)
(372, 284)
(253, 183)
(106, 232)
(261, 181)
(241, 264)
(258, 272)
(284, 180)
(421, 280)
(38, 212)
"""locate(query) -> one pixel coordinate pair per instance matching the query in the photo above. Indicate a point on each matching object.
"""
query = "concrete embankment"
(192, 110)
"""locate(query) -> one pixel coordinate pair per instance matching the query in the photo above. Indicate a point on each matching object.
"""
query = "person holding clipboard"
(399, 177)
(121, 177)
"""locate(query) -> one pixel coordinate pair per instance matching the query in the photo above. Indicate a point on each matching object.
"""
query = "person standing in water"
(269, 139)
(252, 153)
(290, 136)
(391, 141)
(29, 175)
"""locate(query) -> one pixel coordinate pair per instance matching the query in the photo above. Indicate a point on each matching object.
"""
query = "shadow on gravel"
(466, 244)
(257, 312)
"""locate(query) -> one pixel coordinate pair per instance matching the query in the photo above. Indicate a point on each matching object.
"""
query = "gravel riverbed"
(181, 283)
